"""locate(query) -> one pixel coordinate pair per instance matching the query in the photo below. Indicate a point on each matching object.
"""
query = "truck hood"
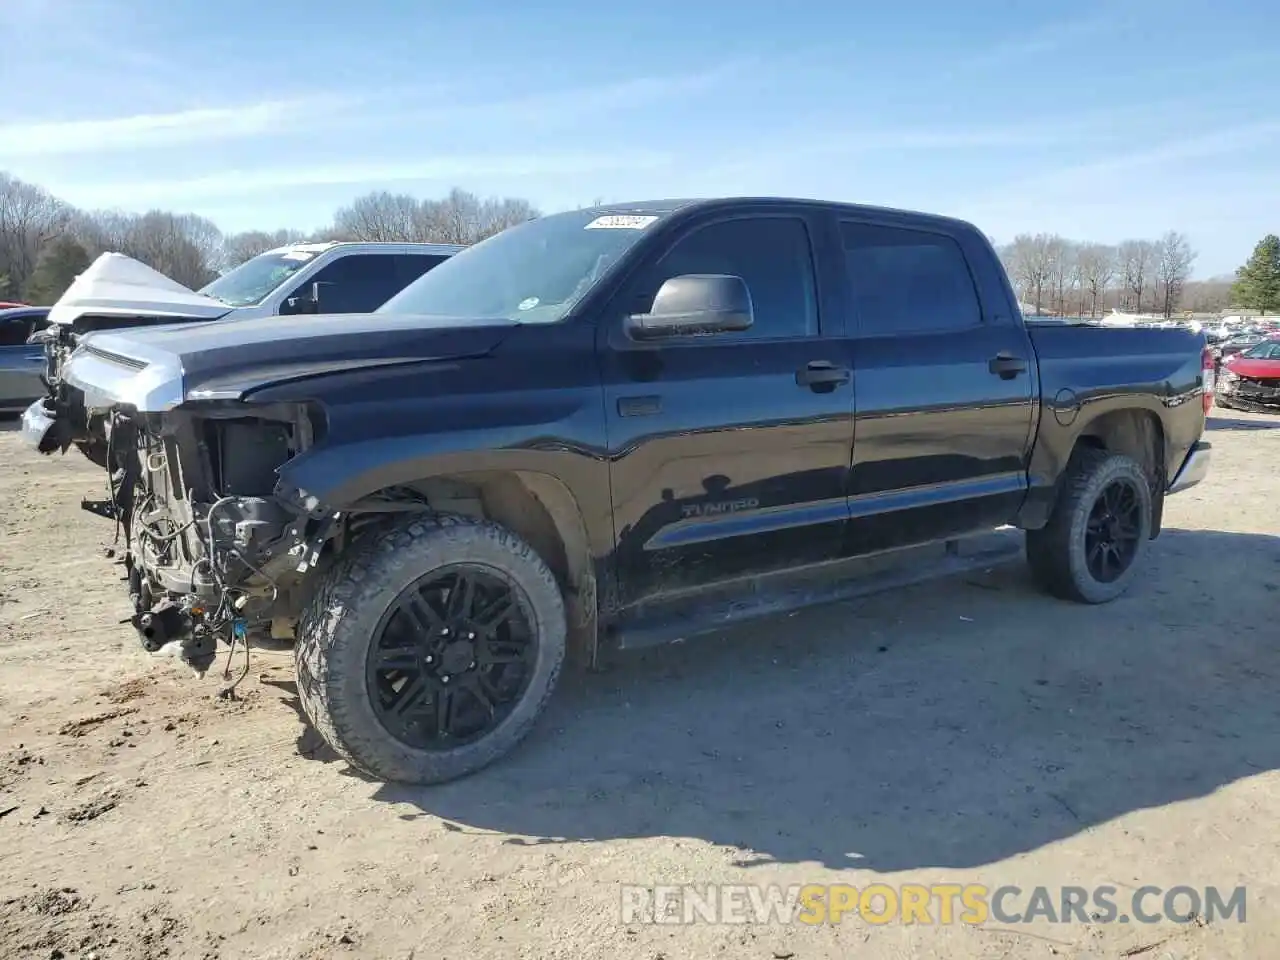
(116, 285)
(156, 368)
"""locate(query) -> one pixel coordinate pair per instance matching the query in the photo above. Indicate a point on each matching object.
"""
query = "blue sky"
(1098, 120)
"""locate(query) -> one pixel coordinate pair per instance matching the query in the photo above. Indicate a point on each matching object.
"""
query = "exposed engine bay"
(211, 553)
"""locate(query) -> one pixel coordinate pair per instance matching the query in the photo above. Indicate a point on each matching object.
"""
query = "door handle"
(821, 373)
(1007, 365)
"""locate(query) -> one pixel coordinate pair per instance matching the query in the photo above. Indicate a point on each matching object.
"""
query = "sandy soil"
(970, 731)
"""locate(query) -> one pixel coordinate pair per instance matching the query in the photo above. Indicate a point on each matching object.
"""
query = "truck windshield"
(534, 272)
(250, 282)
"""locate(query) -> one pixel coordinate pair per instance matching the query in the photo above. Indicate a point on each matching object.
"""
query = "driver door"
(724, 459)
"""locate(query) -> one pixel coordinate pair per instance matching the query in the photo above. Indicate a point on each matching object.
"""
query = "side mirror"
(695, 305)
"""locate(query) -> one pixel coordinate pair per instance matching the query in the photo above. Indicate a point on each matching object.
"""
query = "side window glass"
(771, 254)
(357, 283)
(410, 266)
(14, 333)
(908, 281)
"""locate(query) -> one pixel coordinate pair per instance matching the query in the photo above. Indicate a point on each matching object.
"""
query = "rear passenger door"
(945, 390)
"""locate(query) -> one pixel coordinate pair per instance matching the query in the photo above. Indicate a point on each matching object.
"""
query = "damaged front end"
(113, 293)
(1254, 394)
(59, 419)
(211, 554)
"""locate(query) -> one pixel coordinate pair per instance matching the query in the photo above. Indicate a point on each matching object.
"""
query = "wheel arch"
(541, 510)
(1138, 434)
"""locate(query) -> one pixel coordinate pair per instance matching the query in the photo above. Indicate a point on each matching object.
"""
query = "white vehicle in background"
(118, 292)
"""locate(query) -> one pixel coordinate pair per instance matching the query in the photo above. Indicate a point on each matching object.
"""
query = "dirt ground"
(972, 731)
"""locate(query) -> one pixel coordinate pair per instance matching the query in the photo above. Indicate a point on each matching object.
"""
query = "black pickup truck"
(615, 427)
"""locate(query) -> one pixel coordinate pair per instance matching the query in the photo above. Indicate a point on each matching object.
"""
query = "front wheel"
(1098, 532)
(429, 652)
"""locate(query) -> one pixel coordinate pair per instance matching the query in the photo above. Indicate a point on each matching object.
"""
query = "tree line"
(1071, 278)
(45, 242)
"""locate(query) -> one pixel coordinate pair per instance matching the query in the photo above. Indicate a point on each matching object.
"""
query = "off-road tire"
(1056, 552)
(339, 624)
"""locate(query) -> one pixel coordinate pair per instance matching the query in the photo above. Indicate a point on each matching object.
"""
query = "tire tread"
(346, 595)
(1049, 548)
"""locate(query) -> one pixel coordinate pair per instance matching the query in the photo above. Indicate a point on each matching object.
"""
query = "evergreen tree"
(1258, 281)
(60, 262)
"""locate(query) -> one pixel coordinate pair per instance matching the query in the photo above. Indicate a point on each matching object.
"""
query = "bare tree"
(1030, 260)
(1097, 269)
(30, 217)
(1063, 276)
(1173, 268)
(1137, 262)
(185, 247)
(239, 247)
(462, 217)
(379, 217)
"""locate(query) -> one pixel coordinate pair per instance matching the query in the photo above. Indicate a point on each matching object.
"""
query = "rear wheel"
(1098, 532)
(429, 652)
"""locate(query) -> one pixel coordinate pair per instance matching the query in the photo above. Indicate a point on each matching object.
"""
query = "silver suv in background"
(117, 292)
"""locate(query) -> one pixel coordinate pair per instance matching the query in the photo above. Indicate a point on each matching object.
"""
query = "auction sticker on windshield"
(615, 221)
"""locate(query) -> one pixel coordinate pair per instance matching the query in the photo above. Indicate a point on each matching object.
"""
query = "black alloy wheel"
(451, 657)
(1114, 530)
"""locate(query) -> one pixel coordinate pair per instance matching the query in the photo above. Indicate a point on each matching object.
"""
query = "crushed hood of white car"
(117, 285)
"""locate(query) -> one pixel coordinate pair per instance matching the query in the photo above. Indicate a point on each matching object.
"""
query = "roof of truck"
(379, 245)
(662, 207)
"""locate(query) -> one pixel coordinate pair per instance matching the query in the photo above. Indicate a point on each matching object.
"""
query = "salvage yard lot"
(971, 731)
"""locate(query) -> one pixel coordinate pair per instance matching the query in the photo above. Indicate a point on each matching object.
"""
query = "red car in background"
(1250, 380)
(8, 305)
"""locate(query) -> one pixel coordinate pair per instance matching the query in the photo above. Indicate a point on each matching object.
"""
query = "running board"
(786, 592)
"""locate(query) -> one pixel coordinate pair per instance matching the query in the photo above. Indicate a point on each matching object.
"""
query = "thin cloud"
(161, 129)
(388, 108)
(1101, 127)
(1216, 143)
(236, 183)
(625, 94)
(1044, 40)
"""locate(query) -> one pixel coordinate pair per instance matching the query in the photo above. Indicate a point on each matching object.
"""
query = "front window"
(1266, 350)
(253, 280)
(533, 273)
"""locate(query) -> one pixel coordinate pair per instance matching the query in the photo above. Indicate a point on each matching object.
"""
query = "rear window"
(908, 281)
